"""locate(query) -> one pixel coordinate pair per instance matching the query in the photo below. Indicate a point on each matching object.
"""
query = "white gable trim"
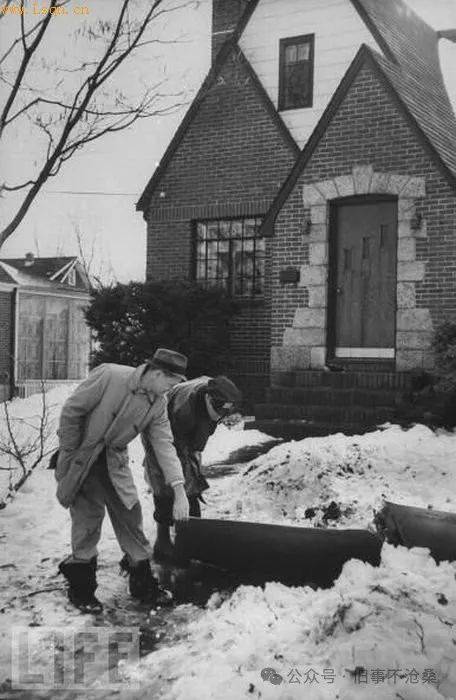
(71, 267)
(62, 269)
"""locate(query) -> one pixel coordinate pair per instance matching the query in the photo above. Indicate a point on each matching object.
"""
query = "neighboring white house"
(44, 333)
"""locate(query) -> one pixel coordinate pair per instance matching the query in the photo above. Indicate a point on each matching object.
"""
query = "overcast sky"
(120, 165)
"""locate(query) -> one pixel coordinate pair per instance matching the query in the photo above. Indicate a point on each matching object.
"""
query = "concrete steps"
(313, 402)
(394, 381)
(321, 412)
(328, 396)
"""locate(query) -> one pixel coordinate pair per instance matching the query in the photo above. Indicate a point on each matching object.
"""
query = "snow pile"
(225, 441)
(378, 631)
(25, 416)
(392, 620)
(340, 480)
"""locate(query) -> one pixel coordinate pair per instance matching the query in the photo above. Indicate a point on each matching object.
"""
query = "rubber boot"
(142, 584)
(82, 580)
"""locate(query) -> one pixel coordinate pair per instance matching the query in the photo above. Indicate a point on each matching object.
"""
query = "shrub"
(444, 346)
(130, 321)
(432, 398)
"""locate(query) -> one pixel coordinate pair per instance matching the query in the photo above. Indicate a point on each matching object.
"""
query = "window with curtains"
(296, 72)
(231, 254)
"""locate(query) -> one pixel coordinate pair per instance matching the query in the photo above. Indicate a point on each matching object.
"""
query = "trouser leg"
(127, 524)
(87, 513)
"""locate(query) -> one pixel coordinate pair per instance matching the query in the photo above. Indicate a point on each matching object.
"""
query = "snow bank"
(397, 617)
(225, 441)
(340, 480)
(378, 631)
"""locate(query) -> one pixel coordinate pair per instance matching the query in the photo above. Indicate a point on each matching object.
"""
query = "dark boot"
(82, 580)
(142, 583)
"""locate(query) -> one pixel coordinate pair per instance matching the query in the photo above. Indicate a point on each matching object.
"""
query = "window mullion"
(254, 267)
(230, 267)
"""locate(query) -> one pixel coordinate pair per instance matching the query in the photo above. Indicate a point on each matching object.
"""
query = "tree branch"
(19, 39)
(80, 120)
(27, 55)
(15, 188)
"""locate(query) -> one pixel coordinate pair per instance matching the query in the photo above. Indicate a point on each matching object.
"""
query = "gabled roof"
(411, 61)
(42, 267)
(5, 276)
(410, 64)
(415, 72)
(379, 65)
(21, 278)
(43, 272)
(225, 52)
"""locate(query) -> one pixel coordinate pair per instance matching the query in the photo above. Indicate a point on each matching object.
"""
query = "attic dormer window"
(296, 72)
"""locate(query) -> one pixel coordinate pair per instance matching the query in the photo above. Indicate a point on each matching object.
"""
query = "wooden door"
(365, 279)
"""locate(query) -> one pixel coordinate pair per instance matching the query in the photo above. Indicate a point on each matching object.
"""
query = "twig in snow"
(32, 593)
(420, 634)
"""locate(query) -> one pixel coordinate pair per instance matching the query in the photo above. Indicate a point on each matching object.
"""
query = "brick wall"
(169, 249)
(230, 163)
(232, 159)
(370, 129)
(6, 329)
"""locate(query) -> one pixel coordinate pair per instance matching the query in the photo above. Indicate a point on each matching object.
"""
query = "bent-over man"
(106, 412)
(195, 408)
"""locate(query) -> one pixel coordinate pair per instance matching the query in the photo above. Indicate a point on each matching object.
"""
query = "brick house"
(43, 331)
(314, 176)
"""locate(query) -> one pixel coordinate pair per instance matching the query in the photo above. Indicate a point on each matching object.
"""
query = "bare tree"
(97, 269)
(24, 443)
(83, 101)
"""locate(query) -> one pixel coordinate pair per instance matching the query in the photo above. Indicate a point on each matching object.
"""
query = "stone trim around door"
(304, 343)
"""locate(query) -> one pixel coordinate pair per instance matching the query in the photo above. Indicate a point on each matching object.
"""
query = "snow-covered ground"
(385, 632)
(396, 620)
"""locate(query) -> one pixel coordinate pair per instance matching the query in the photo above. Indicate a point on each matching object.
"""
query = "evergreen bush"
(444, 345)
(130, 321)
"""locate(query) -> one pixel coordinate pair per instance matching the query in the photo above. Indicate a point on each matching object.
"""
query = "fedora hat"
(169, 361)
(222, 390)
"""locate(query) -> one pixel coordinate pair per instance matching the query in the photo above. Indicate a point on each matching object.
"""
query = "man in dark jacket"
(195, 408)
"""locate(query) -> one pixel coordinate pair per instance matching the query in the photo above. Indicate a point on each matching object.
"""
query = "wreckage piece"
(258, 552)
(419, 527)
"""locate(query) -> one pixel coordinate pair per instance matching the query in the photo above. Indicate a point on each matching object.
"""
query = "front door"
(365, 279)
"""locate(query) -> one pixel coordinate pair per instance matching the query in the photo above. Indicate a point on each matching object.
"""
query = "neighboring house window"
(53, 338)
(231, 254)
(71, 279)
(296, 72)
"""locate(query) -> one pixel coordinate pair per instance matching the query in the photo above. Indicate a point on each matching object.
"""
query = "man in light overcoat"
(105, 413)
